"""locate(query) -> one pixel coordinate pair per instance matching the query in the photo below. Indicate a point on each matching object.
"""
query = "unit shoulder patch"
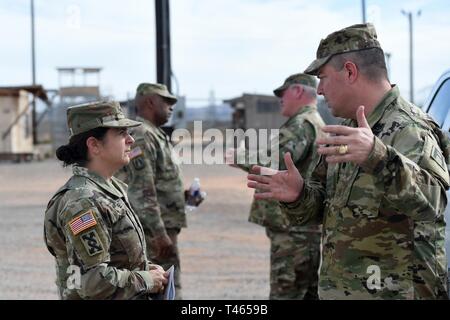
(437, 156)
(91, 242)
(138, 163)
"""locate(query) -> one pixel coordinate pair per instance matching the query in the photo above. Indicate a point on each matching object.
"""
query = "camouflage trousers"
(166, 263)
(294, 265)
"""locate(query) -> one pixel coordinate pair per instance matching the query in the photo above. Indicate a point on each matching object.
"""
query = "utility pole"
(409, 15)
(363, 2)
(33, 75)
(163, 63)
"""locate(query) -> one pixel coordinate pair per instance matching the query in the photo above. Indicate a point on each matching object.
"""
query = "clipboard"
(169, 290)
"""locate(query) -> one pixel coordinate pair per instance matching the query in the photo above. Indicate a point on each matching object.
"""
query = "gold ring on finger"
(343, 149)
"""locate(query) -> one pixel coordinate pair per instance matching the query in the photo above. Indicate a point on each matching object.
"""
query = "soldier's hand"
(160, 279)
(194, 201)
(155, 267)
(348, 144)
(283, 186)
(163, 246)
(200, 198)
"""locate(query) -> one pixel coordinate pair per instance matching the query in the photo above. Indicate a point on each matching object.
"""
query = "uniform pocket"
(125, 247)
(365, 195)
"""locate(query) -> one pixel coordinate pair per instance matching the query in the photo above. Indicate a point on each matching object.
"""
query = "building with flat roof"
(256, 111)
(16, 126)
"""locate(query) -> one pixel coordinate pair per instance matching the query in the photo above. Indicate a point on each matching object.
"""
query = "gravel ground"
(223, 256)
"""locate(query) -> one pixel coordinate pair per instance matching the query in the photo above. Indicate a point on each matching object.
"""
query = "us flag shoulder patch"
(135, 152)
(82, 222)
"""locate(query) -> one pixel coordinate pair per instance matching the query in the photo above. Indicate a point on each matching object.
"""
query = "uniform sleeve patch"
(136, 152)
(437, 156)
(91, 242)
(82, 222)
(138, 163)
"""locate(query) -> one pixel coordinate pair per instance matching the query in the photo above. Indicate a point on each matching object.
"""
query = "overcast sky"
(229, 46)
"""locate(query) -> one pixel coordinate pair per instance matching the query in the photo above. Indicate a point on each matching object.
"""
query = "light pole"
(409, 15)
(363, 3)
(163, 61)
(33, 75)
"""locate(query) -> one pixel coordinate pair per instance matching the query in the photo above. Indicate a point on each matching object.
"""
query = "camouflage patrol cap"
(88, 116)
(298, 78)
(354, 38)
(155, 88)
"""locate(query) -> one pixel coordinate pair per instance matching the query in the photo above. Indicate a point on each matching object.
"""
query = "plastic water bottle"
(194, 192)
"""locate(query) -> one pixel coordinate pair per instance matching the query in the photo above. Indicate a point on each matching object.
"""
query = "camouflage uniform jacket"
(90, 225)
(297, 136)
(155, 185)
(383, 227)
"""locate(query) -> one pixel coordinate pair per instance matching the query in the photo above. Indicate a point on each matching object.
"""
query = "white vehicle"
(438, 106)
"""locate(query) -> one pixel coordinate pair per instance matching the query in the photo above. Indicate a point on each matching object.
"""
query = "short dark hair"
(76, 151)
(371, 62)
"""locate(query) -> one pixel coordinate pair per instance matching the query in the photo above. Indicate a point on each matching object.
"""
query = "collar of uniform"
(121, 186)
(381, 107)
(150, 126)
(303, 110)
(98, 180)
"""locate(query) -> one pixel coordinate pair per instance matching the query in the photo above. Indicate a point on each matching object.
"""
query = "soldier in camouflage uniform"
(380, 183)
(155, 185)
(96, 239)
(294, 256)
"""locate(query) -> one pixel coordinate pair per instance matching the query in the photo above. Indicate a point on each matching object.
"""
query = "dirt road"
(223, 256)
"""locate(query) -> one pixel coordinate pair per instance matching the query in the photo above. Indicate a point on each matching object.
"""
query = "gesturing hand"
(283, 186)
(348, 144)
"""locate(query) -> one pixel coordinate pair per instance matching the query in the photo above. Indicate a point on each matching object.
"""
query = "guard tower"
(76, 85)
(79, 84)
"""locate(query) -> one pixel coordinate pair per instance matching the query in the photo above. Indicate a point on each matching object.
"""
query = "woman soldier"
(96, 239)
